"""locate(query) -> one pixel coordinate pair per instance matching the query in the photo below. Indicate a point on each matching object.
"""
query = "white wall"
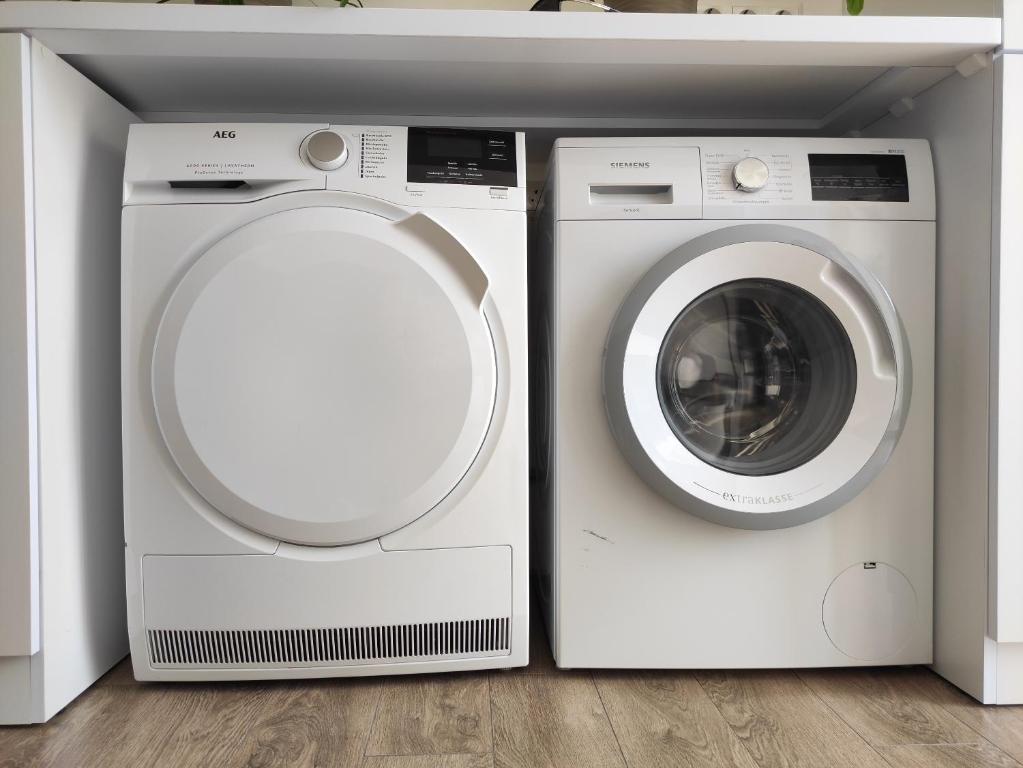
(933, 7)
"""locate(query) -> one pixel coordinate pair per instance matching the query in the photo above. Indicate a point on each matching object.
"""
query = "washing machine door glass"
(327, 375)
(757, 377)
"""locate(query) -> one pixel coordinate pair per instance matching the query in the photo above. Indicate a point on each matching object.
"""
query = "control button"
(325, 150)
(750, 174)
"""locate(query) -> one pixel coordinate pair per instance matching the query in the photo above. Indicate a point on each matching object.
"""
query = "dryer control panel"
(436, 167)
(459, 156)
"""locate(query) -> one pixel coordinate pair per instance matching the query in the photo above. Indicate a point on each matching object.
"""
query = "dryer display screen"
(871, 178)
(468, 147)
(452, 156)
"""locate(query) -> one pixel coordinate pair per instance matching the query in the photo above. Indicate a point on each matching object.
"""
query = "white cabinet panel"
(1007, 533)
(62, 612)
(1012, 25)
(79, 135)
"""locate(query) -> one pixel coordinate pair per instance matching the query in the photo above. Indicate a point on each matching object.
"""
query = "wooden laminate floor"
(531, 718)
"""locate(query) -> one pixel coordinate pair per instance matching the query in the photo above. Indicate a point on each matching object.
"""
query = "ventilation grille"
(331, 646)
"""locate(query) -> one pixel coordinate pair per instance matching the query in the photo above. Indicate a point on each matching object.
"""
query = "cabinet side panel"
(19, 566)
(16, 700)
(1012, 25)
(956, 116)
(1006, 620)
(79, 136)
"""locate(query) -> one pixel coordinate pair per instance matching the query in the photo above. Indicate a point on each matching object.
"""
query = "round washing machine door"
(757, 377)
(327, 375)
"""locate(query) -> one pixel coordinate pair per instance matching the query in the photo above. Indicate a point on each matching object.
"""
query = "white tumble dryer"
(735, 352)
(324, 400)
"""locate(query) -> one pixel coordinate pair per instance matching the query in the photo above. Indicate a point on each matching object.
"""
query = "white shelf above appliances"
(665, 72)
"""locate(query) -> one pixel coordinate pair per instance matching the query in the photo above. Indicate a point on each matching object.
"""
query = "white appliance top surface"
(239, 162)
(789, 178)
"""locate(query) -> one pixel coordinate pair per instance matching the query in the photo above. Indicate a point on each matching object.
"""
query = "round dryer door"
(326, 375)
(757, 377)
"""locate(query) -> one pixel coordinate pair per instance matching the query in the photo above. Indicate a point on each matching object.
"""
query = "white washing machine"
(735, 353)
(324, 400)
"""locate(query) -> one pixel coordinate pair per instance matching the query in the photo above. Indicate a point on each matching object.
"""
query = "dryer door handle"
(438, 239)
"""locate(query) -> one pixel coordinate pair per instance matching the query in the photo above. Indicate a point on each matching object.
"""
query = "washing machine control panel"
(750, 174)
(881, 178)
(743, 178)
(745, 174)
(776, 178)
(816, 178)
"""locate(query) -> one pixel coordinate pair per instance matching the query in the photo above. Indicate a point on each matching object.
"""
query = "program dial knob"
(750, 174)
(325, 150)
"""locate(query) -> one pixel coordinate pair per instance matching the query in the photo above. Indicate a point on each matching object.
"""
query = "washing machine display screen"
(756, 377)
(870, 178)
(453, 156)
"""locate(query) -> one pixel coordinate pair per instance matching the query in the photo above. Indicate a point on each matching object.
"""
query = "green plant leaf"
(855, 7)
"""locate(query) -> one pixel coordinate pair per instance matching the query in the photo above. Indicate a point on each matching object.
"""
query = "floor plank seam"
(983, 740)
(894, 747)
(980, 743)
(954, 716)
(740, 741)
(427, 754)
(735, 733)
(850, 726)
(610, 722)
(168, 737)
(373, 722)
(493, 733)
(884, 759)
